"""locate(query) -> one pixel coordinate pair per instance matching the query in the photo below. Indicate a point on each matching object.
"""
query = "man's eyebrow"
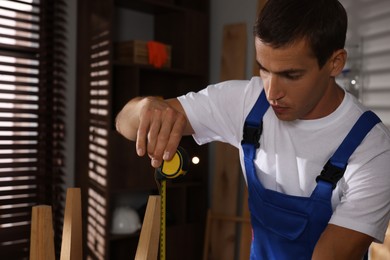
(260, 66)
(283, 72)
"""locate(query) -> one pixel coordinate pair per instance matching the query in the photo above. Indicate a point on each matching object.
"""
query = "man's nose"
(274, 91)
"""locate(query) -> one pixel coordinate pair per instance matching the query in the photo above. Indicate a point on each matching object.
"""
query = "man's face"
(295, 85)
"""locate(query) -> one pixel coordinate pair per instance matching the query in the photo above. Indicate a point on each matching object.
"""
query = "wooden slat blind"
(94, 121)
(31, 118)
(368, 49)
(99, 127)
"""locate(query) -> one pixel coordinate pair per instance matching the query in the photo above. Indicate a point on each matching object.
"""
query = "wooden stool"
(71, 247)
(150, 233)
(42, 236)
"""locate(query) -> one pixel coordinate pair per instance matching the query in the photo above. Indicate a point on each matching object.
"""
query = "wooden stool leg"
(42, 234)
(71, 248)
(150, 233)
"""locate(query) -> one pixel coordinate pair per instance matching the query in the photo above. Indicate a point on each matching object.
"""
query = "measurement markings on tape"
(174, 168)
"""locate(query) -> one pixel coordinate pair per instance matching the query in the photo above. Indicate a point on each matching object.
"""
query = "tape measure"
(174, 168)
(177, 166)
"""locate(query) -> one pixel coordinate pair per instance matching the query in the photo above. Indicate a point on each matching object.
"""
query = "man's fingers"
(154, 130)
(142, 132)
(159, 133)
(170, 134)
(175, 136)
(163, 138)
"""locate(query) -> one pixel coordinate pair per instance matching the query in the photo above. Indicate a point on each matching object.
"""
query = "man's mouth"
(279, 109)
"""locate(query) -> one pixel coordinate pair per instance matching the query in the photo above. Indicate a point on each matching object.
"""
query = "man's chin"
(285, 116)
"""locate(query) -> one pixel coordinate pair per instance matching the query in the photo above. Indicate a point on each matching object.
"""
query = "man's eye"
(293, 76)
(263, 71)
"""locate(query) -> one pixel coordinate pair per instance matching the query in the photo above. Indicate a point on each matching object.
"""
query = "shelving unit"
(107, 168)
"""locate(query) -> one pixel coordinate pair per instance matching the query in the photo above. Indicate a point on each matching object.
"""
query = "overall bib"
(285, 226)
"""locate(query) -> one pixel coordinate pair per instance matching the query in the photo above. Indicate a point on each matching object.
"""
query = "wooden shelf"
(153, 6)
(150, 68)
(105, 85)
(114, 237)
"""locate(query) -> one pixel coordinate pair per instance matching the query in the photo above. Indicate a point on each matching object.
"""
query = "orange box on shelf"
(138, 52)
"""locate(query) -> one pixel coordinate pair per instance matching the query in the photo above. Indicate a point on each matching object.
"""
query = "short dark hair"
(323, 23)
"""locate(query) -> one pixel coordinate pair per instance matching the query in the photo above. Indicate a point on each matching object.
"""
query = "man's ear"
(337, 62)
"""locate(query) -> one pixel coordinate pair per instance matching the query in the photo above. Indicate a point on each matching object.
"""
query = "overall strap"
(254, 122)
(334, 169)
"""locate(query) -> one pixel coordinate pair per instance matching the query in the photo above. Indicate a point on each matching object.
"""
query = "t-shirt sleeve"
(217, 112)
(365, 201)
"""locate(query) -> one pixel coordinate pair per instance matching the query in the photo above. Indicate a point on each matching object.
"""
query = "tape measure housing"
(177, 166)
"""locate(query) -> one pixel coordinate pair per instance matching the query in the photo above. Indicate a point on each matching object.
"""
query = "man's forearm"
(339, 243)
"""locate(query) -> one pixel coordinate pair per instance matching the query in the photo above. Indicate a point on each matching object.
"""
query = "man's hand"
(339, 243)
(155, 124)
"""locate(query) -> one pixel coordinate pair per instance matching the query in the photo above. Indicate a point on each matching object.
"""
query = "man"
(296, 212)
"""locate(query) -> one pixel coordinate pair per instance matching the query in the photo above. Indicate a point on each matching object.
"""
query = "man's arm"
(155, 124)
(339, 243)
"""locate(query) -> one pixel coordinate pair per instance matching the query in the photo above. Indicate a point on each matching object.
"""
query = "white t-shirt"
(293, 153)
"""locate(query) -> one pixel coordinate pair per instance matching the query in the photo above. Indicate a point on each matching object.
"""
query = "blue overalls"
(285, 226)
